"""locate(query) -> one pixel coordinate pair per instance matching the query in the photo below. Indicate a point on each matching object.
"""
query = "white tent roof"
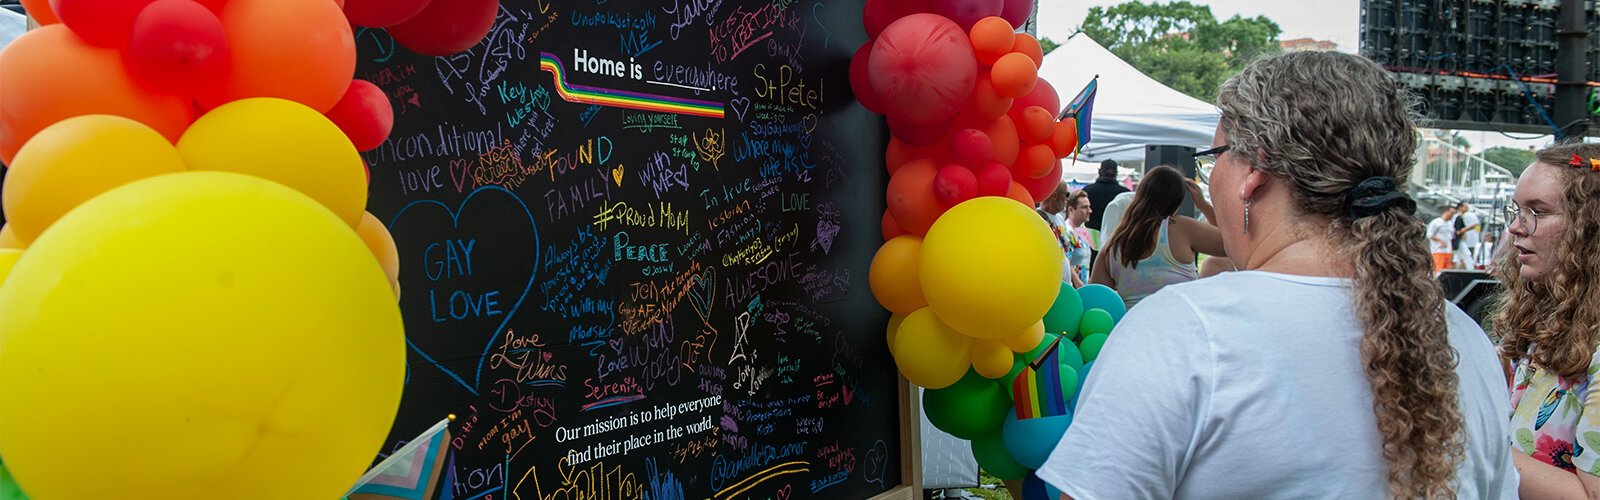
(1130, 109)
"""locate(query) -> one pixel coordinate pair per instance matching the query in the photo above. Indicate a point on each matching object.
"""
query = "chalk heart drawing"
(740, 106)
(809, 123)
(877, 462)
(616, 175)
(460, 302)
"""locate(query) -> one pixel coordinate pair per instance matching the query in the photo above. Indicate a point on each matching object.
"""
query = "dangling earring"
(1247, 217)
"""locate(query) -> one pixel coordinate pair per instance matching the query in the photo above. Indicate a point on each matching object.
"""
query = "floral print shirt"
(1555, 420)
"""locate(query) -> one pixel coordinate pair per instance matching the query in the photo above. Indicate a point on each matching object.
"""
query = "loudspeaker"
(1179, 157)
(1473, 291)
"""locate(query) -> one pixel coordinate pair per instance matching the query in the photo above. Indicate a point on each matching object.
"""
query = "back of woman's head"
(1560, 311)
(1158, 197)
(1338, 131)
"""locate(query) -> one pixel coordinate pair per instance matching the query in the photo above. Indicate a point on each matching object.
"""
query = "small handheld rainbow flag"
(1037, 390)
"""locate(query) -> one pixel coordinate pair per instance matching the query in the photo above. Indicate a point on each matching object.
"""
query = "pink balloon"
(1016, 11)
(954, 184)
(971, 147)
(382, 13)
(965, 13)
(923, 68)
(177, 47)
(447, 27)
(994, 180)
(860, 85)
(364, 114)
(879, 13)
(917, 134)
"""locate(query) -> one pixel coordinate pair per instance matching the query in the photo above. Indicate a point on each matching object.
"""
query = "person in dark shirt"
(1101, 192)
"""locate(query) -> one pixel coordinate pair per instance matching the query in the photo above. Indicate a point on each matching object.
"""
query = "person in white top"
(1113, 216)
(1441, 231)
(1471, 233)
(1331, 365)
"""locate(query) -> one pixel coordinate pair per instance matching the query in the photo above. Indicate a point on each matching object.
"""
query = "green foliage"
(1048, 45)
(1513, 159)
(1181, 44)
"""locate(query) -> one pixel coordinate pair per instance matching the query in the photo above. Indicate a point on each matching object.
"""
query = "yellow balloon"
(990, 267)
(8, 238)
(894, 328)
(1028, 339)
(991, 358)
(76, 159)
(197, 335)
(378, 240)
(8, 259)
(929, 353)
(893, 275)
(284, 142)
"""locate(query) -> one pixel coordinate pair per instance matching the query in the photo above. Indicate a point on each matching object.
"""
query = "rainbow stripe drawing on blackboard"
(572, 92)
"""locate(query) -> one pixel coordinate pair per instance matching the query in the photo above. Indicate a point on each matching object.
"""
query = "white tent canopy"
(1130, 109)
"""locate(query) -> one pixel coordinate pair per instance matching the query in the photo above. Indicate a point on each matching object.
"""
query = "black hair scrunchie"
(1374, 195)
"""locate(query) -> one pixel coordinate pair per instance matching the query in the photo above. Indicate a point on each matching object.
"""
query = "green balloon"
(1064, 313)
(992, 456)
(8, 486)
(1069, 384)
(1096, 321)
(1070, 356)
(1091, 346)
(1038, 350)
(971, 408)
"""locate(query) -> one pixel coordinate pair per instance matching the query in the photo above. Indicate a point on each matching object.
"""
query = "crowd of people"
(1313, 354)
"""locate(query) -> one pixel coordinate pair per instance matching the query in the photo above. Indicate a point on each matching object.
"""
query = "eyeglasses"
(1529, 218)
(1214, 152)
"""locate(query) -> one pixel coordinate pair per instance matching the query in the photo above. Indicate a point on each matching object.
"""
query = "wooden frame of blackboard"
(910, 487)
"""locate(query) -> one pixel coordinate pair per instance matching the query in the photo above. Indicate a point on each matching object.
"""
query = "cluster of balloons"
(193, 300)
(982, 410)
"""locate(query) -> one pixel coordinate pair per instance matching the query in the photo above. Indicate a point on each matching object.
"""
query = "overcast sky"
(1338, 21)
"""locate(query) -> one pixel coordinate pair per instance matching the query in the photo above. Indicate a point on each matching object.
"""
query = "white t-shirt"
(1113, 216)
(1470, 238)
(1250, 385)
(1441, 230)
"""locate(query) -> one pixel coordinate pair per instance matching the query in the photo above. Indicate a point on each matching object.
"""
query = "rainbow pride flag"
(1037, 390)
(411, 473)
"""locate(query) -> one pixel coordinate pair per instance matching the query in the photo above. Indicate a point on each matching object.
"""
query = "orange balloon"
(985, 101)
(910, 197)
(1064, 139)
(40, 11)
(897, 154)
(1037, 125)
(49, 74)
(300, 50)
(1020, 194)
(894, 277)
(8, 238)
(991, 38)
(1035, 161)
(1003, 133)
(1014, 75)
(1026, 44)
(890, 228)
(377, 238)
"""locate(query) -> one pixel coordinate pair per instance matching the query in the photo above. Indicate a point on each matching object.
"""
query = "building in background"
(1307, 45)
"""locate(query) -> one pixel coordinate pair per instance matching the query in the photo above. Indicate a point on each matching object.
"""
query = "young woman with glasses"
(1550, 322)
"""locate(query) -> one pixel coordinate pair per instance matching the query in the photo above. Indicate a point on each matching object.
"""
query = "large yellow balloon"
(8, 259)
(193, 336)
(990, 267)
(285, 142)
(893, 275)
(76, 159)
(929, 353)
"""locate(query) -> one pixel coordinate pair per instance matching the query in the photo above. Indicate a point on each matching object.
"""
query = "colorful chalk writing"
(633, 238)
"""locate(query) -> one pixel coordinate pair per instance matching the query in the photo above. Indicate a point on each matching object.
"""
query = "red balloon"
(994, 180)
(447, 26)
(40, 11)
(860, 85)
(1041, 187)
(364, 114)
(954, 184)
(923, 68)
(382, 13)
(891, 228)
(971, 147)
(99, 22)
(178, 47)
(1043, 95)
(214, 5)
(1036, 125)
(1021, 194)
(965, 13)
(916, 134)
(910, 196)
(878, 14)
(1016, 11)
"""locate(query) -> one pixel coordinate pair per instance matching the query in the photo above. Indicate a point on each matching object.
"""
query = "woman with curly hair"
(1550, 322)
(1329, 365)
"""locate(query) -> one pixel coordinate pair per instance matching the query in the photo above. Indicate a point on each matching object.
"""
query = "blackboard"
(634, 241)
